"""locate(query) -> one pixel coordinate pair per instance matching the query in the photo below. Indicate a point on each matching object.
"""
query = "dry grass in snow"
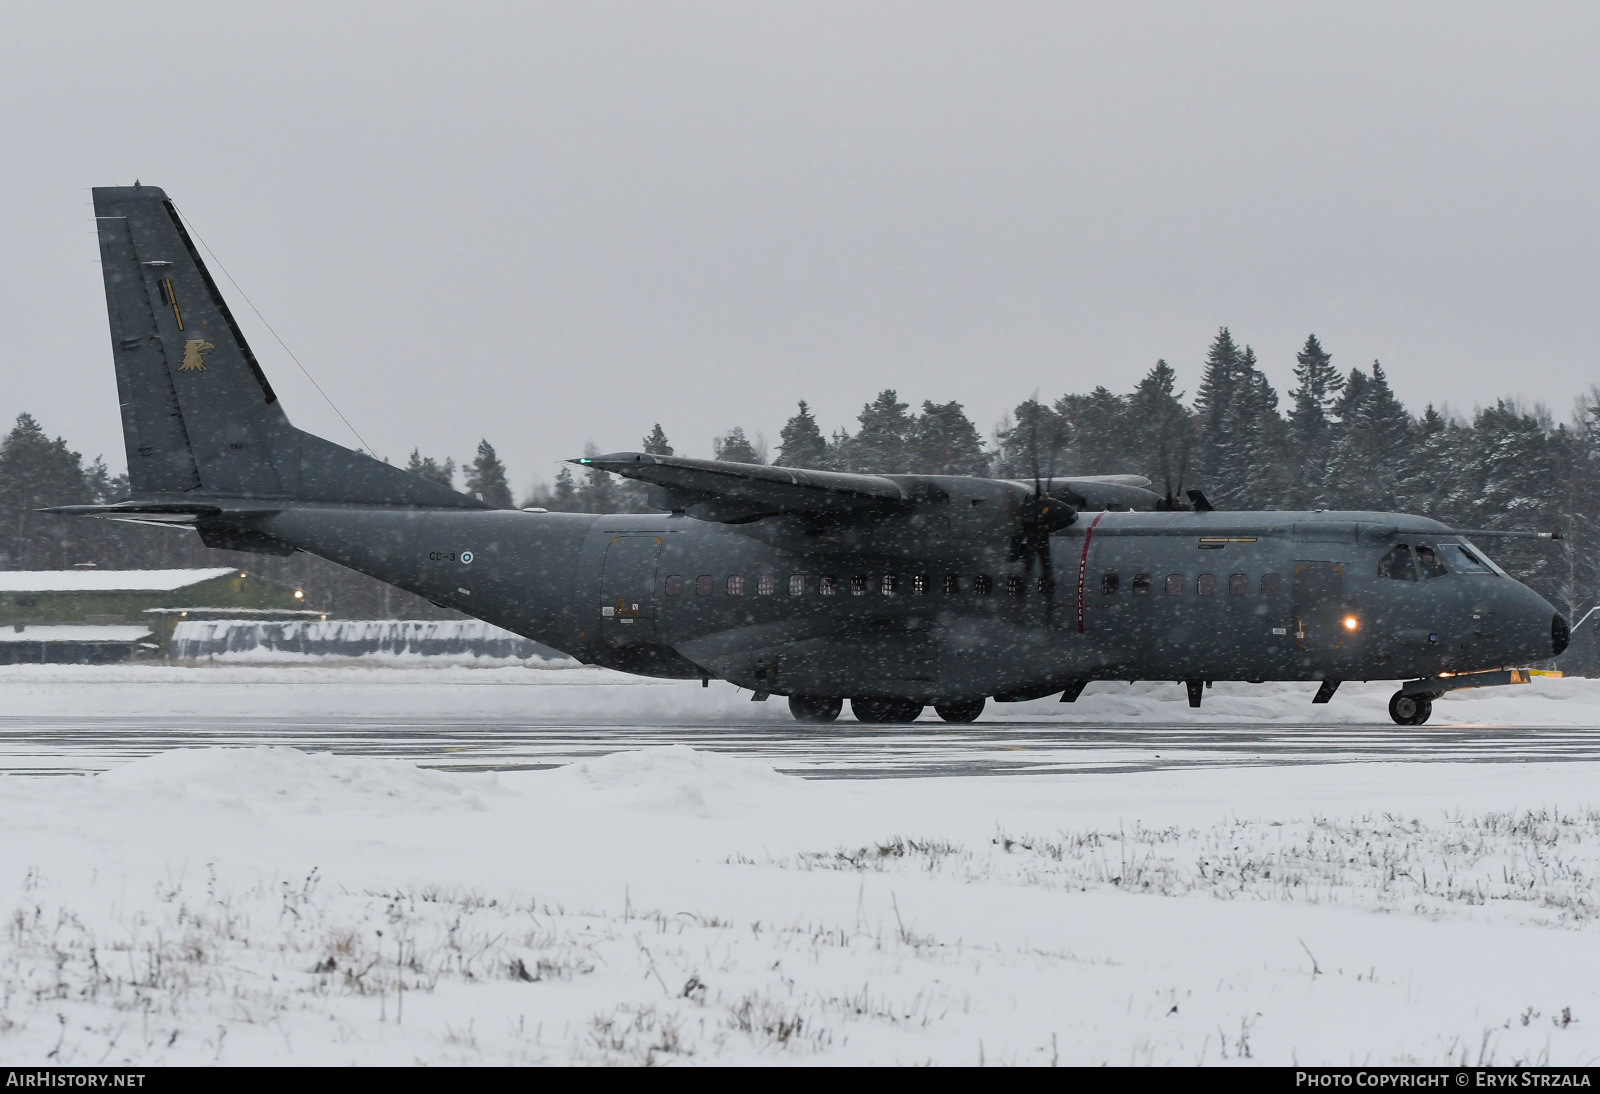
(678, 907)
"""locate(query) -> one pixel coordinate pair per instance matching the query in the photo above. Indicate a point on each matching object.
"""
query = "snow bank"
(287, 778)
(389, 640)
(682, 780)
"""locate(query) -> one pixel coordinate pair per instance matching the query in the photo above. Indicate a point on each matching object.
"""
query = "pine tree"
(486, 477)
(1031, 442)
(1214, 409)
(943, 441)
(1097, 423)
(35, 472)
(656, 443)
(880, 447)
(598, 491)
(564, 498)
(1372, 446)
(1241, 436)
(1310, 424)
(801, 443)
(1355, 391)
(442, 473)
(1162, 429)
(734, 447)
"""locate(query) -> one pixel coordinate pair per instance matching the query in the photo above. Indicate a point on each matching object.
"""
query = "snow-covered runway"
(62, 720)
(1283, 884)
(50, 745)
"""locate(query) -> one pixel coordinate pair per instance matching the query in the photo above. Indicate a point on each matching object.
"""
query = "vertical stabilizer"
(198, 414)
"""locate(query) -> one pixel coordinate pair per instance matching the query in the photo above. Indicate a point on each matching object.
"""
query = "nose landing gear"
(1410, 710)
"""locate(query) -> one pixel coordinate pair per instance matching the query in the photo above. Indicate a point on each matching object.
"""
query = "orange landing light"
(1351, 622)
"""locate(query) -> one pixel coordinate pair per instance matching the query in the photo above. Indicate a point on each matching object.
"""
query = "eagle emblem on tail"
(194, 351)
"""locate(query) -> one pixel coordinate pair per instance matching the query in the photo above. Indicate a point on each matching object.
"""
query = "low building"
(72, 644)
(121, 613)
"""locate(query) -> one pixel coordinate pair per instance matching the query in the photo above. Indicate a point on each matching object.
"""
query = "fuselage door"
(1318, 605)
(628, 592)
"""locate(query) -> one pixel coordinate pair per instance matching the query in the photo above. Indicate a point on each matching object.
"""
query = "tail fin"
(198, 415)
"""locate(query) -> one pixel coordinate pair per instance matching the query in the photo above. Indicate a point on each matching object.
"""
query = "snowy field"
(675, 905)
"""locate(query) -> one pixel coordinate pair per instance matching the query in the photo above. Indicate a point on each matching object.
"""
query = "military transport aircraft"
(892, 591)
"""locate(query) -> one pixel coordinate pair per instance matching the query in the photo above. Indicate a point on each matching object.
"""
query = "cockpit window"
(1429, 562)
(1463, 559)
(1397, 564)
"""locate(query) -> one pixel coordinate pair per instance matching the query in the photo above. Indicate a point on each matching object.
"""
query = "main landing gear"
(1410, 710)
(885, 710)
(960, 710)
(808, 708)
(814, 710)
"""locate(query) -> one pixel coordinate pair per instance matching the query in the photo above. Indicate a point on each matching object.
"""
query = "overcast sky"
(548, 224)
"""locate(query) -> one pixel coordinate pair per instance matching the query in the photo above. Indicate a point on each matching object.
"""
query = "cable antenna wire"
(365, 447)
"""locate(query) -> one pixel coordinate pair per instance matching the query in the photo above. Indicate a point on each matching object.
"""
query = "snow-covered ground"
(677, 906)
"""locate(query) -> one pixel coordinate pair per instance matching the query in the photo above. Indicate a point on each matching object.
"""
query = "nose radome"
(1560, 635)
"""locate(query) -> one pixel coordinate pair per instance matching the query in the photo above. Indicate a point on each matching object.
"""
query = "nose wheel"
(1410, 710)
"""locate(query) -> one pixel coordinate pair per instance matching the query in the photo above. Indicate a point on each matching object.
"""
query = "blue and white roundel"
(466, 556)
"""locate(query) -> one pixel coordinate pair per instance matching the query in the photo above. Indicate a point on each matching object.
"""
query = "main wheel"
(809, 708)
(960, 710)
(1410, 710)
(885, 710)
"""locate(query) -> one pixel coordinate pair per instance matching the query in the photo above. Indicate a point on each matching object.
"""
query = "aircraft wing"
(735, 492)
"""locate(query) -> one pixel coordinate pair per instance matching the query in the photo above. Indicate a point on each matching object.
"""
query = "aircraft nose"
(1541, 632)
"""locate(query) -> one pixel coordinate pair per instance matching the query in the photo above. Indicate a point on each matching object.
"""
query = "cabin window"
(766, 584)
(858, 585)
(674, 584)
(920, 584)
(1174, 585)
(1464, 560)
(1141, 584)
(736, 585)
(1269, 584)
(1396, 565)
(1013, 584)
(890, 585)
(1238, 584)
(828, 585)
(1428, 562)
(797, 584)
(702, 585)
(1205, 584)
(1047, 585)
(952, 584)
(982, 584)
(1108, 584)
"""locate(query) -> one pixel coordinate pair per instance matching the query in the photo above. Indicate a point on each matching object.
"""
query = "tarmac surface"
(75, 745)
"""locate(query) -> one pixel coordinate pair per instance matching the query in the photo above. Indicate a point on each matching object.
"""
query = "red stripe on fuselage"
(1083, 565)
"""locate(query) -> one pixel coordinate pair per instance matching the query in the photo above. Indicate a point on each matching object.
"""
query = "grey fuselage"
(787, 581)
(1215, 596)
